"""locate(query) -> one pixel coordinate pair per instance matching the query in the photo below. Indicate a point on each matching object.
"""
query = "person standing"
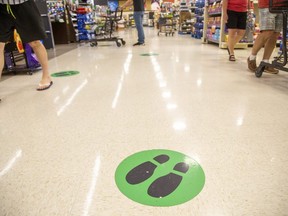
(270, 28)
(138, 18)
(24, 16)
(235, 16)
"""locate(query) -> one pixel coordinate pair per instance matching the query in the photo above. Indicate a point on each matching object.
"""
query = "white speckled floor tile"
(59, 149)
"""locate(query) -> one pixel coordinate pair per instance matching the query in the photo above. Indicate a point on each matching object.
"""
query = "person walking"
(270, 28)
(235, 16)
(24, 16)
(138, 18)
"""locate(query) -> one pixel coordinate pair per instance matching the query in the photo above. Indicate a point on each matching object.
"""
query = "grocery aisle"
(59, 149)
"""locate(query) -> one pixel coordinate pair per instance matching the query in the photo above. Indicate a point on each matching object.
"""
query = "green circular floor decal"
(160, 178)
(65, 73)
(149, 54)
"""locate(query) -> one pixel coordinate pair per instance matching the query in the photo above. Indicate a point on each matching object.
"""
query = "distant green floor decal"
(149, 54)
(160, 178)
(65, 73)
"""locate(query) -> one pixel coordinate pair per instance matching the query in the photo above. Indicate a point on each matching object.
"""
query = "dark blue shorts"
(28, 22)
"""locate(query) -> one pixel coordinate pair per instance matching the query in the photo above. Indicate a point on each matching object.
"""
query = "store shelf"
(214, 14)
(42, 7)
(62, 23)
(212, 40)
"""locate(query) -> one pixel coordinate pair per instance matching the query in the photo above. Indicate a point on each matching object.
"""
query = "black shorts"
(236, 20)
(28, 22)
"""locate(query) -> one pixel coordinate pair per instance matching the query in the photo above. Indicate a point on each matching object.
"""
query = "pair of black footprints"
(162, 186)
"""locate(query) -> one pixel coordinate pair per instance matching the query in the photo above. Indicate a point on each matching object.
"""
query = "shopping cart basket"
(105, 32)
(277, 6)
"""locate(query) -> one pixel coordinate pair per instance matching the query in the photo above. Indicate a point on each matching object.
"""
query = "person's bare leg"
(2, 46)
(270, 45)
(261, 41)
(231, 40)
(42, 57)
(235, 35)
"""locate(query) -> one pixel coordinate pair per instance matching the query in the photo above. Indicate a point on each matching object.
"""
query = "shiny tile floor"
(59, 149)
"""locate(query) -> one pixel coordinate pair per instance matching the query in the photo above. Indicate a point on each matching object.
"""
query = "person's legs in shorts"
(6, 33)
(32, 34)
(236, 29)
(270, 27)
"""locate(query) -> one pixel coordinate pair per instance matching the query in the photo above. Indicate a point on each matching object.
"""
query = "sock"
(252, 57)
(266, 60)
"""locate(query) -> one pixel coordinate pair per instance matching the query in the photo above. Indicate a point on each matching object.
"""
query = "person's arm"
(126, 4)
(224, 10)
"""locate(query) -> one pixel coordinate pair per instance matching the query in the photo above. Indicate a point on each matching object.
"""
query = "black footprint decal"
(145, 170)
(165, 185)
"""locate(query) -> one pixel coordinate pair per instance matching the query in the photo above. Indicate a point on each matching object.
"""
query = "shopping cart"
(277, 6)
(105, 32)
(15, 62)
(167, 24)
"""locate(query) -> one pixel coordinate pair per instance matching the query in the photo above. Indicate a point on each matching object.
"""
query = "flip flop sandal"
(42, 87)
(232, 58)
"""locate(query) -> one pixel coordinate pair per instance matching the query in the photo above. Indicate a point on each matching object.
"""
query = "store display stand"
(42, 7)
(62, 23)
(185, 16)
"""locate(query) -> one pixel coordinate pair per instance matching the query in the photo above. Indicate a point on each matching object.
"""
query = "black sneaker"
(139, 44)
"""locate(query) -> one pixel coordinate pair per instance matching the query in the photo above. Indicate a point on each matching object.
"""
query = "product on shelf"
(56, 11)
(197, 31)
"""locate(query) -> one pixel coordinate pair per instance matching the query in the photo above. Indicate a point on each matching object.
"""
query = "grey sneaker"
(252, 64)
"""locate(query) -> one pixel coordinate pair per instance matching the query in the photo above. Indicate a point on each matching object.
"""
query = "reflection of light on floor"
(127, 63)
(162, 84)
(56, 99)
(118, 91)
(64, 91)
(166, 94)
(199, 82)
(9, 165)
(92, 188)
(126, 71)
(240, 121)
(159, 76)
(179, 125)
(69, 101)
(187, 68)
(171, 106)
